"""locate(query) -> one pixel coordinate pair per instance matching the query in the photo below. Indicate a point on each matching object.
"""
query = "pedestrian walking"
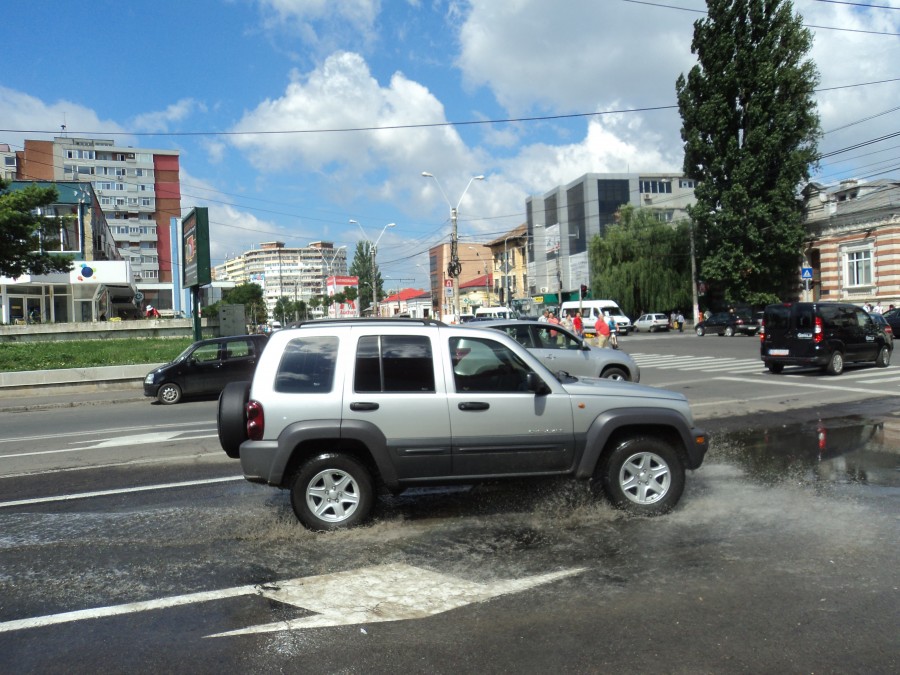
(578, 324)
(680, 320)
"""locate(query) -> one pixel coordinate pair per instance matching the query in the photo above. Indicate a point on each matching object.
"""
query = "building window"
(664, 215)
(656, 186)
(687, 183)
(859, 268)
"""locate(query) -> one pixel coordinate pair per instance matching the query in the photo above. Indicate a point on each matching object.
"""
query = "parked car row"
(825, 334)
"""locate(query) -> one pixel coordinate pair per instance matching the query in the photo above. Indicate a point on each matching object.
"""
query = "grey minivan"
(822, 334)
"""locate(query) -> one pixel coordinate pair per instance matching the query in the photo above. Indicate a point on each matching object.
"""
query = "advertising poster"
(345, 310)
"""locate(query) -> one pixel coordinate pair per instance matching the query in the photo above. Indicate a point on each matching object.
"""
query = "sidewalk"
(67, 388)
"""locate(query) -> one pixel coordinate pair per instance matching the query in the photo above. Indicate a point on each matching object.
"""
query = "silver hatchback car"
(651, 323)
(559, 349)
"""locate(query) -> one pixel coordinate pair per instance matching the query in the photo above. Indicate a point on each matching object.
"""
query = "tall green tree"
(251, 296)
(642, 263)
(362, 267)
(750, 129)
(25, 236)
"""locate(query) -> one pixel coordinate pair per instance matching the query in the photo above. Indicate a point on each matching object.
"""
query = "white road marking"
(96, 432)
(120, 491)
(787, 383)
(142, 439)
(394, 592)
(210, 454)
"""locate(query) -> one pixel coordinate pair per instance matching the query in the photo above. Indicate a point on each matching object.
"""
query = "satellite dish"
(823, 197)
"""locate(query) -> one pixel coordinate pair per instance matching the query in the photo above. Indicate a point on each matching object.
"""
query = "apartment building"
(138, 189)
(296, 273)
(561, 222)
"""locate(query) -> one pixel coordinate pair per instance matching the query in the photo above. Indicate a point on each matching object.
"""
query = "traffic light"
(584, 291)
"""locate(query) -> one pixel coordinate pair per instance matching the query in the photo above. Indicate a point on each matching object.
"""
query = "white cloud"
(27, 116)
(322, 23)
(161, 119)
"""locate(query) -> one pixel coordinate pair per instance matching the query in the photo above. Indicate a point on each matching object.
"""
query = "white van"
(592, 309)
(495, 313)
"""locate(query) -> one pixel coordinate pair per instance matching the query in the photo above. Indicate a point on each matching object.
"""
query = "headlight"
(149, 378)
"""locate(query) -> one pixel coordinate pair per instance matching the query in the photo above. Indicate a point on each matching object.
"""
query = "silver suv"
(341, 408)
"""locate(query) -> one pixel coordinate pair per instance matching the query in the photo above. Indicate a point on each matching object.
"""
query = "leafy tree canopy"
(26, 236)
(362, 267)
(750, 129)
(641, 263)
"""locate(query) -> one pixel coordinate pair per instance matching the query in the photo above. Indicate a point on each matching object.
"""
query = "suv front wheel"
(644, 476)
(332, 491)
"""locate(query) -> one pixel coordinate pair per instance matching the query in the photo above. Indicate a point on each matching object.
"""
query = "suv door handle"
(474, 406)
(363, 406)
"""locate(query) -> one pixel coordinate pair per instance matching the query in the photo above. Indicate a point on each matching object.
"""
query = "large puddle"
(841, 450)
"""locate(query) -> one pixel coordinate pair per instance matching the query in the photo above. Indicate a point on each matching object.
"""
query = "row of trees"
(251, 296)
(750, 129)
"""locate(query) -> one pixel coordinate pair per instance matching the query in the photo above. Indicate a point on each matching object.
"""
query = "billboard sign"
(339, 284)
(195, 248)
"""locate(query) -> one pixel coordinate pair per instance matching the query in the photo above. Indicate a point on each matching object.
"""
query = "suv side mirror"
(534, 383)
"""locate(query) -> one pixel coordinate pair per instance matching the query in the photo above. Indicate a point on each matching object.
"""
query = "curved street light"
(374, 248)
(454, 268)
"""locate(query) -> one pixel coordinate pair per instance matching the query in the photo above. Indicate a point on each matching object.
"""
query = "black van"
(823, 334)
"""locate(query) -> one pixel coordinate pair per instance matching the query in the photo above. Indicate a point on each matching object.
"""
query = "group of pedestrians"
(604, 327)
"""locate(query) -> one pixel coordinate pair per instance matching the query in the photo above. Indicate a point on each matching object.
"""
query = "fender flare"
(607, 424)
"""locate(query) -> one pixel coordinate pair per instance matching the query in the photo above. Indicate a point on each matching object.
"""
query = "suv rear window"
(778, 317)
(394, 363)
(307, 366)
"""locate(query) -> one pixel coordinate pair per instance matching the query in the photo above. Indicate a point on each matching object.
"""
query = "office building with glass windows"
(561, 221)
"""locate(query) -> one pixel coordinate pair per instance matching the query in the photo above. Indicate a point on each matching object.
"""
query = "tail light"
(817, 332)
(256, 421)
(762, 329)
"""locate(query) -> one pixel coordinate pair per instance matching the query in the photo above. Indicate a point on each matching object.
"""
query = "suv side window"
(482, 365)
(307, 366)
(394, 363)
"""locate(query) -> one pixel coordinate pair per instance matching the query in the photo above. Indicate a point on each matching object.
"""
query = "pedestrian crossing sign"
(806, 273)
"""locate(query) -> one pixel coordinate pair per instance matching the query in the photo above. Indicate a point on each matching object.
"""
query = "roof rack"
(368, 320)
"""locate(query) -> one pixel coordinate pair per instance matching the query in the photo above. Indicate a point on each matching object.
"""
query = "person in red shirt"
(602, 330)
(578, 324)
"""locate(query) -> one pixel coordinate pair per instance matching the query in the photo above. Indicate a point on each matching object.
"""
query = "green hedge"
(16, 356)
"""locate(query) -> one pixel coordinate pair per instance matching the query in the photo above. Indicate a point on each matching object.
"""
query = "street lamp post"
(327, 267)
(374, 249)
(453, 269)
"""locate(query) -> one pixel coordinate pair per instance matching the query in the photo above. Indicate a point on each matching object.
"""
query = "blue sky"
(207, 76)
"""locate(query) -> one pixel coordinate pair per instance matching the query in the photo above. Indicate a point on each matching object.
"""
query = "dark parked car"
(823, 334)
(728, 324)
(886, 328)
(204, 368)
(893, 318)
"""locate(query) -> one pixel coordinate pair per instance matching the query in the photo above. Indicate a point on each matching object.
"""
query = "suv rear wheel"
(643, 475)
(835, 363)
(332, 491)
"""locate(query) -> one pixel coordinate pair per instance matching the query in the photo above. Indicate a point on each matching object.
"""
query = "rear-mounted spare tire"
(231, 418)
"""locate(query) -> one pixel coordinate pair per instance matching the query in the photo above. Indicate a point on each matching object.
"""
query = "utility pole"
(454, 268)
